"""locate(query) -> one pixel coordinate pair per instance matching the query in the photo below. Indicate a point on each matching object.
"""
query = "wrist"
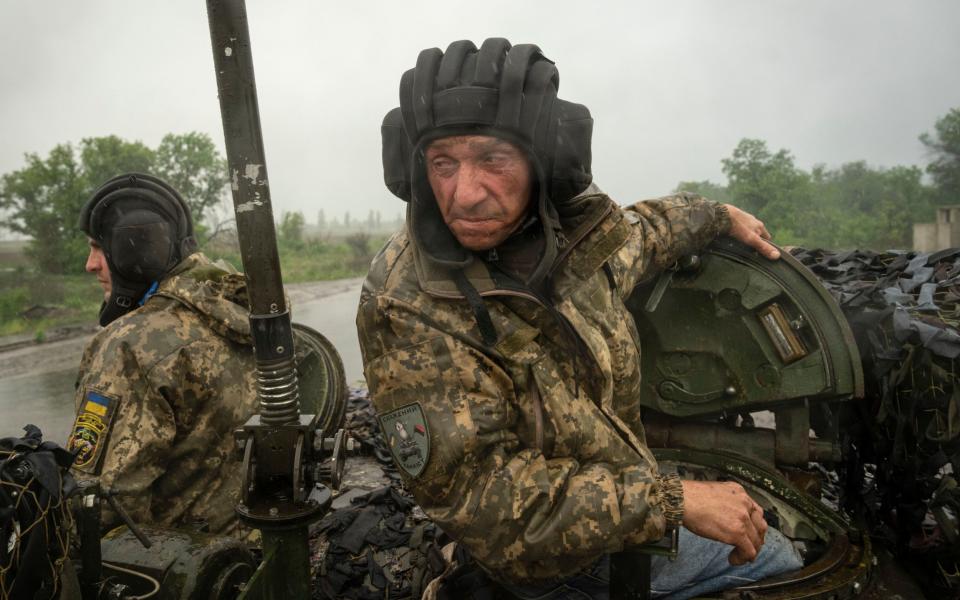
(671, 498)
(724, 222)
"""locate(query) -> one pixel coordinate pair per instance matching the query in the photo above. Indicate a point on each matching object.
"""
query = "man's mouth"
(475, 219)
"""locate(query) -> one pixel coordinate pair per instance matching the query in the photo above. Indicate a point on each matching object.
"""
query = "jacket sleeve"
(664, 230)
(165, 437)
(484, 482)
(138, 439)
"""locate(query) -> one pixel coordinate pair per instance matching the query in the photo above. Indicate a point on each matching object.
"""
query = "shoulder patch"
(88, 439)
(408, 438)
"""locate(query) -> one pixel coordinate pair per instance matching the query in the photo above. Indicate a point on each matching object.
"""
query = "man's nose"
(470, 191)
(93, 262)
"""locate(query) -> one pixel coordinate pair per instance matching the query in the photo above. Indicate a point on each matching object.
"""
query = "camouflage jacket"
(159, 394)
(530, 453)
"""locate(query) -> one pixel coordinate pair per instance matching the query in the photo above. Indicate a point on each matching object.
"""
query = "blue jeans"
(701, 568)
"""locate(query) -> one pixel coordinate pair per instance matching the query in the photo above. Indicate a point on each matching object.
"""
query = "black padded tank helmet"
(500, 90)
(145, 229)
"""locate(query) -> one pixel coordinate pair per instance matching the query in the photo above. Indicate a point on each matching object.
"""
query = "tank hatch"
(730, 331)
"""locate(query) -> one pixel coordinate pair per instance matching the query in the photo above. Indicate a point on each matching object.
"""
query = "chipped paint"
(249, 206)
(228, 51)
(252, 172)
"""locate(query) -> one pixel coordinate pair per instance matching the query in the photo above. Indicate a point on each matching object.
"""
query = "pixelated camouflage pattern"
(532, 512)
(182, 368)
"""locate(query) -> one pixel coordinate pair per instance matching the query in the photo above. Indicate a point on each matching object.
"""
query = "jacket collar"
(214, 291)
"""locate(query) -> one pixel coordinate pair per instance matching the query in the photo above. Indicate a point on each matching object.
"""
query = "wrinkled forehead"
(472, 144)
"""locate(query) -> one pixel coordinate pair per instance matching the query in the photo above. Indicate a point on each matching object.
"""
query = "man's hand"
(751, 231)
(722, 511)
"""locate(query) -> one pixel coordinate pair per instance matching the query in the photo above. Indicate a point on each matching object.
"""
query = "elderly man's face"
(482, 185)
(97, 264)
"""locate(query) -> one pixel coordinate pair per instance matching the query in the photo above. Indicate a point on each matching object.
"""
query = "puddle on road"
(44, 400)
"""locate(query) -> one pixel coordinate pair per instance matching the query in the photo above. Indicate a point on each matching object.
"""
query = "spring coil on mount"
(279, 393)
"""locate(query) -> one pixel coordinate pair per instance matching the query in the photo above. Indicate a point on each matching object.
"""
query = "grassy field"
(35, 303)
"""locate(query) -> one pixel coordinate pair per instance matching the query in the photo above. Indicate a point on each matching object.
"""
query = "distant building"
(945, 233)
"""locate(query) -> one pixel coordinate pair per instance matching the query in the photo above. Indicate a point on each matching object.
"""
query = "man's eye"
(443, 165)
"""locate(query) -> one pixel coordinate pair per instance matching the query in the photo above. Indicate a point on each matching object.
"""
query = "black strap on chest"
(608, 271)
(480, 312)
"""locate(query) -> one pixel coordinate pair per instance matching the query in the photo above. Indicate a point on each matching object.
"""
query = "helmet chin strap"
(124, 297)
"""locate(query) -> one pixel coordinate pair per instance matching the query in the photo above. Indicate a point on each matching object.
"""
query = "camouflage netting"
(35, 522)
(904, 309)
(378, 544)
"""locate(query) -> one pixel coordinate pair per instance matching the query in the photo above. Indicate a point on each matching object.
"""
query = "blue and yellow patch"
(91, 430)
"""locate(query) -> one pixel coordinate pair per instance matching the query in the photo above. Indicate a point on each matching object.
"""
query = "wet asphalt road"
(38, 386)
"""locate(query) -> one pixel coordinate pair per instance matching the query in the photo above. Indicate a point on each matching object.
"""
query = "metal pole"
(269, 318)
(276, 443)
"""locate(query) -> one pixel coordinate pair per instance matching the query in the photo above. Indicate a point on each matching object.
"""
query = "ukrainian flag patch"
(91, 430)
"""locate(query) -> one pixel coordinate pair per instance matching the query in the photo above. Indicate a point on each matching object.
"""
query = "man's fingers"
(762, 246)
(754, 529)
(753, 535)
(723, 511)
(751, 231)
(736, 557)
(759, 522)
(765, 248)
(743, 553)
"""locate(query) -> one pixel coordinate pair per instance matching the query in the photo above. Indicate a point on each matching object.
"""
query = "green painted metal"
(707, 351)
(322, 380)
(279, 576)
(179, 564)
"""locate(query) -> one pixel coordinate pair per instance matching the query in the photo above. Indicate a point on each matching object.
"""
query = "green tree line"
(850, 206)
(853, 205)
(43, 199)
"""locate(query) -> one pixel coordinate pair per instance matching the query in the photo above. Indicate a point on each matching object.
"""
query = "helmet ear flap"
(572, 152)
(148, 241)
(397, 153)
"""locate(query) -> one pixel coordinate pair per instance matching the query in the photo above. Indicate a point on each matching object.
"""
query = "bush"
(75, 299)
(12, 303)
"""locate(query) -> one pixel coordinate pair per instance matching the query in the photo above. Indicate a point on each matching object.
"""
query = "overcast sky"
(672, 88)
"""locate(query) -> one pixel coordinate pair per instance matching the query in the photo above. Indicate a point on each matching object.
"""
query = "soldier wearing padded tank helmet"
(162, 387)
(494, 330)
